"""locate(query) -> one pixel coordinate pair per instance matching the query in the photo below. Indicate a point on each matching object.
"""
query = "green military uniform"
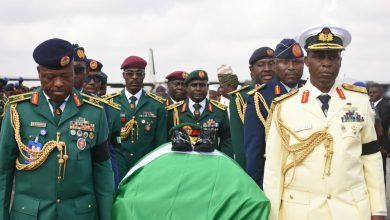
(74, 180)
(3, 105)
(214, 117)
(237, 107)
(136, 132)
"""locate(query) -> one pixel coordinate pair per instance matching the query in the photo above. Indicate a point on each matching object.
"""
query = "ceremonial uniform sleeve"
(273, 176)
(225, 143)
(103, 176)
(161, 132)
(254, 143)
(236, 132)
(8, 155)
(373, 167)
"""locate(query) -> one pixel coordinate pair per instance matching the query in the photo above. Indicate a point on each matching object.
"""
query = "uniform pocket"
(295, 204)
(351, 129)
(85, 204)
(24, 207)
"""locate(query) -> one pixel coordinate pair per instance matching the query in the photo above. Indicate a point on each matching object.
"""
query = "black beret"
(54, 54)
(79, 53)
(94, 65)
(261, 53)
(288, 49)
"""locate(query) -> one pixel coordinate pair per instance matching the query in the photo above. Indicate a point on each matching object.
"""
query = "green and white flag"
(177, 185)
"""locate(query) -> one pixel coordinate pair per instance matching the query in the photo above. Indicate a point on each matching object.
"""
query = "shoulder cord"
(241, 106)
(39, 156)
(129, 127)
(304, 146)
(256, 98)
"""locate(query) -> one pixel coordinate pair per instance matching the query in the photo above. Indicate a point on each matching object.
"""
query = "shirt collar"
(287, 87)
(202, 103)
(376, 103)
(137, 95)
(47, 98)
(315, 92)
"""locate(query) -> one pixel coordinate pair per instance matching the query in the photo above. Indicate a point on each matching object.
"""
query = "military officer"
(197, 109)
(79, 66)
(140, 124)
(323, 161)
(289, 69)
(3, 105)
(54, 146)
(176, 91)
(261, 65)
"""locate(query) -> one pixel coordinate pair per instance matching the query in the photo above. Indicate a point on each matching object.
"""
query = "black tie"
(56, 110)
(133, 99)
(197, 107)
(324, 100)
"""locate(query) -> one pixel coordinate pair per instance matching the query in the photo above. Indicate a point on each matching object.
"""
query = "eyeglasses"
(131, 73)
(96, 78)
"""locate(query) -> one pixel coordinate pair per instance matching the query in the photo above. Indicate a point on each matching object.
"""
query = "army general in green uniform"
(140, 124)
(197, 109)
(54, 144)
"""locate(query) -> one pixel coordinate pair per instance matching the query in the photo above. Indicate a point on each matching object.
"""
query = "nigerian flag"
(193, 186)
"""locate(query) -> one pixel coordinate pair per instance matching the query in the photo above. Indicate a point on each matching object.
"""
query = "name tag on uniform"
(38, 124)
(302, 128)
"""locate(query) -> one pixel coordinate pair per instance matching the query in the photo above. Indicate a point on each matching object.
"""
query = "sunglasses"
(130, 73)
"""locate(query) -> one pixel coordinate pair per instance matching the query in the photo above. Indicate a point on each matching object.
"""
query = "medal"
(79, 133)
(43, 132)
(72, 132)
(91, 135)
(85, 135)
(147, 127)
(81, 143)
(123, 118)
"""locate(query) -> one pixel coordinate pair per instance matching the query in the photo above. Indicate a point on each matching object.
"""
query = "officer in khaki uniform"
(322, 157)
(54, 145)
(140, 124)
(261, 65)
(197, 109)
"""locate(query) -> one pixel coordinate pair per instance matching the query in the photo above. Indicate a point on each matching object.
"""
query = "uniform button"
(291, 197)
(22, 208)
(58, 200)
(329, 196)
(89, 206)
(131, 154)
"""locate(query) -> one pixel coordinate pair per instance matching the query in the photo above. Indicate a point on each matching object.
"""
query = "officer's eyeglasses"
(131, 73)
(96, 78)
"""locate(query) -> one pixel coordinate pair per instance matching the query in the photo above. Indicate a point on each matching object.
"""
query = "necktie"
(197, 107)
(56, 110)
(324, 100)
(133, 99)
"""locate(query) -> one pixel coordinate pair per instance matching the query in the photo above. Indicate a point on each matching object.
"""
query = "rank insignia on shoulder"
(175, 105)
(285, 96)
(111, 95)
(92, 100)
(218, 105)
(238, 90)
(354, 88)
(156, 97)
(256, 88)
(21, 97)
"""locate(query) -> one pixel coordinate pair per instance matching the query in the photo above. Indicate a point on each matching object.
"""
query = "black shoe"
(181, 141)
(205, 142)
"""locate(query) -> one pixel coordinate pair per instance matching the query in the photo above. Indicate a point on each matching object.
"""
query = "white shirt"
(288, 88)
(191, 106)
(137, 95)
(315, 92)
(62, 107)
(226, 102)
(376, 103)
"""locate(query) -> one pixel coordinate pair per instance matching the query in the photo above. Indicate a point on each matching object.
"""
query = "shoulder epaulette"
(156, 97)
(238, 90)
(19, 97)
(175, 105)
(354, 88)
(95, 101)
(253, 91)
(111, 95)
(218, 105)
(285, 96)
(108, 102)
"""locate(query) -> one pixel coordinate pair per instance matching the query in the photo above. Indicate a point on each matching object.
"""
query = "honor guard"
(197, 109)
(140, 125)
(261, 65)
(289, 69)
(79, 66)
(54, 146)
(176, 90)
(322, 157)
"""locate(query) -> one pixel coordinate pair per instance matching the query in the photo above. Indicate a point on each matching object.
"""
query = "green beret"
(196, 75)
(192, 129)
(104, 78)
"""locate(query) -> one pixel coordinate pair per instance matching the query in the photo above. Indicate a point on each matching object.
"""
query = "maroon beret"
(133, 62)
(177, 75)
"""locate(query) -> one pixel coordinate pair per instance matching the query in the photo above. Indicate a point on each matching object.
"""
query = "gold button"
(329, 196)
(291, 197)
(58, 201)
